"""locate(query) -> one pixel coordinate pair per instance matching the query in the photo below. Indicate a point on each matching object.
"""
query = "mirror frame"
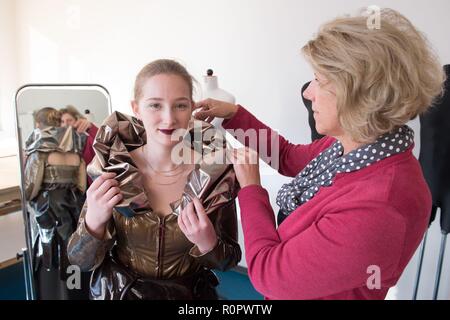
(26, 253)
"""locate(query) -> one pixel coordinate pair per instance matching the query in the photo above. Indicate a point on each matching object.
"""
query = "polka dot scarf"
(321, 170)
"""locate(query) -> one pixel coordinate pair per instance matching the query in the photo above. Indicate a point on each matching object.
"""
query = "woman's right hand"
(82, 125)
(102, 196)
(208, 109)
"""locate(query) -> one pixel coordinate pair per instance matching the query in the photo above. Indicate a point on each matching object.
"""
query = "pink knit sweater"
(333, 246)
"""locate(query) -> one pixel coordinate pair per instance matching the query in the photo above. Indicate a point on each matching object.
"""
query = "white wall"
(252, 45)
(8, 72)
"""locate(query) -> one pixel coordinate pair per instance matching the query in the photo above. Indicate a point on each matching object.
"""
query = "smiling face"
(165, 105)
(324, 104)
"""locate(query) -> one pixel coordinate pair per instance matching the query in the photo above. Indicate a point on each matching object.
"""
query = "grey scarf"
(321, 170)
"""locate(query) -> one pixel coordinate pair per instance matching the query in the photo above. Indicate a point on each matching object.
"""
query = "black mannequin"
(312, 123)
(434, 159)
(435, 154)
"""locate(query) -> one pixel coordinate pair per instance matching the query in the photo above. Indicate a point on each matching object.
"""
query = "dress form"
(211, 90)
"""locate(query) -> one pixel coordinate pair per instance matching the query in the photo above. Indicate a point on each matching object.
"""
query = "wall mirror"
(56, 126)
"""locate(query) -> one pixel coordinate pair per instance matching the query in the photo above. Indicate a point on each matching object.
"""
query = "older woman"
(358, 204)
(70, 116)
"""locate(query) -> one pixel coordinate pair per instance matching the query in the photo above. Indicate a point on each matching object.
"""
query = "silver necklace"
(173, 173)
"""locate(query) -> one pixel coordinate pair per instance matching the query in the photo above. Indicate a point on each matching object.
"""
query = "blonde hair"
(47, 117)
(384, 77)
(162, 66)
(69, 109)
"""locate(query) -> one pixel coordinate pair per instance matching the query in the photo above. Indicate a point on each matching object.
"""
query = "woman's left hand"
(246, 166)
(197, 227)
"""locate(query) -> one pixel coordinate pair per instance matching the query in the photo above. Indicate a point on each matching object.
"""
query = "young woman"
(134, 230)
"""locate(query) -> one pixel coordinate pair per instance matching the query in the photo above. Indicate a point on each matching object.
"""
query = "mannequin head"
(163, 100)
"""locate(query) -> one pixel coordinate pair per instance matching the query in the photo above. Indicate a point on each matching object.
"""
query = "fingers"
(191, 216)
(237, 156)
(203, 103)
(209, 119)
(81, 125)
(181, 224)
(198, 206)
(105, 189)
(99, 181)
(243, 156)
(106, 186)
(205, 109)
(231, 155)
(115, 200)
(252, 156)
(201, 214)
(82, 129)
(196, 226)
(204, 114)
(184, 217)
(214, 108)
(111, 193)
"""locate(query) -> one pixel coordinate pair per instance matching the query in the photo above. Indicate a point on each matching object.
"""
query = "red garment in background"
(88, 152)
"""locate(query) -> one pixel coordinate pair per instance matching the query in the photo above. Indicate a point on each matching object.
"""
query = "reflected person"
(55, 182)
(70, 116)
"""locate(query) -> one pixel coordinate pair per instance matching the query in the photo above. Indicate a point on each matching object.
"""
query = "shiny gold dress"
(143, 255)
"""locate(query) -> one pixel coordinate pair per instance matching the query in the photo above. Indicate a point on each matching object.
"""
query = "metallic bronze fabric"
(55, 195)
(113, 281)
(55, 139)
(39, 145)
(149, 245)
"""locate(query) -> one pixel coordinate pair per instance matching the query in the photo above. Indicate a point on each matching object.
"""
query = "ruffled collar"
(55, 139)
(211, 181)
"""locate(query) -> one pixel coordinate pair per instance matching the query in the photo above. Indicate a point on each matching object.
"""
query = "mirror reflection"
(56, 129)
